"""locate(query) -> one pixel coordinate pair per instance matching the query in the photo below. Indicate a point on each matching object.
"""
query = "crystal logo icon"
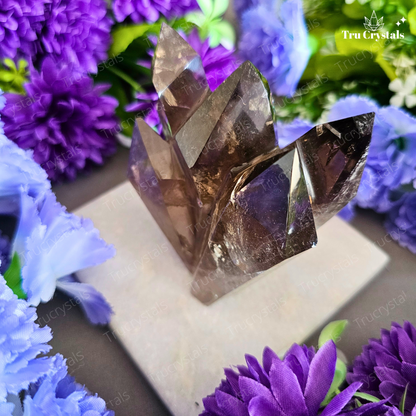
(230, 201)
(373, 23)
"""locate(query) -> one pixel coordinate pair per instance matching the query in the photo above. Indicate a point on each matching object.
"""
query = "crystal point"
(231, 202)
(166, 188)
(179, 79)
(340, 151)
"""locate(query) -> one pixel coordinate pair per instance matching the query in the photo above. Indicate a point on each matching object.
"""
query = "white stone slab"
(182, 345)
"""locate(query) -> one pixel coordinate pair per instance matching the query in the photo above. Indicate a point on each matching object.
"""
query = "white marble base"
(182, 345)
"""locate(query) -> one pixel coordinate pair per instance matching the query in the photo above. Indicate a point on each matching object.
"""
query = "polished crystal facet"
(231, 202)
(179, 79)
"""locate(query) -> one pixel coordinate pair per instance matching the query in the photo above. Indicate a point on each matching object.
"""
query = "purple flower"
(146, 107)
(20, 22)
(401, 221)
(50, 243)
(219, 63)
(76, 32)
(276, 43)
(64, 118)
(21, 341)
(394, 411)
(150, 10)
(294, 386)
(387, 365)
(58, 394)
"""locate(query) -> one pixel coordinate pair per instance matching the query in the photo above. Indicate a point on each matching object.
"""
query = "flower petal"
(229, 405)
(96, 308)
(268, 356)
(340, 400)
(286, 390)
(259, 406)
(407, 348)
(321, 374)
(250, 388)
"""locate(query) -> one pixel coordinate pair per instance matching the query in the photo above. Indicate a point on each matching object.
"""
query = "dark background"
(99, 361)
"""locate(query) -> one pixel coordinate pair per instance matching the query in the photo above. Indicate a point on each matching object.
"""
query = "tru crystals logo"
(373, 25)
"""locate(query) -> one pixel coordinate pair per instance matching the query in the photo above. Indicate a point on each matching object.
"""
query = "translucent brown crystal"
(230, 201)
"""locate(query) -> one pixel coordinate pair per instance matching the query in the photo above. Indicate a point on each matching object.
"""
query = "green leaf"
(367, 397)
(339, 377)
(10, 64)
(332, 331)
(135, 85)
(411, 17)
(355, 10)
(313, 44)
(214, 37)
(197, 18)
(220, 7)
(226, 33)
(403, 399)
(13, 277)
(206, 7)
(337, 67)
(386, 66)
(124, 35)
(6, 76)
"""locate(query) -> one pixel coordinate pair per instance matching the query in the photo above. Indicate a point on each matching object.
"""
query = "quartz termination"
(231, 202)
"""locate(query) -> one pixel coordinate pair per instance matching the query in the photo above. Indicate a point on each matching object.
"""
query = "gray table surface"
(99, 361)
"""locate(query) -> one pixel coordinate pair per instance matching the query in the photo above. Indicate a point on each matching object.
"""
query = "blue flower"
(5, 249)
(276, 43)
(92, 302)
(51, 244)
(59, 244)
(401, 221)
(287, 133)
(18, 171)
(21, 341)
(58, 394)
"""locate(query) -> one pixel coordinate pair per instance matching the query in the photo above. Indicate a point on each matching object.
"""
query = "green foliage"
(339, 378)
(403, 400)
(12, 78)
(352, 65)
(332, 331)
(412, 20)
(13, 277)
(123, 36)
(210, 23)
(367, 397)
